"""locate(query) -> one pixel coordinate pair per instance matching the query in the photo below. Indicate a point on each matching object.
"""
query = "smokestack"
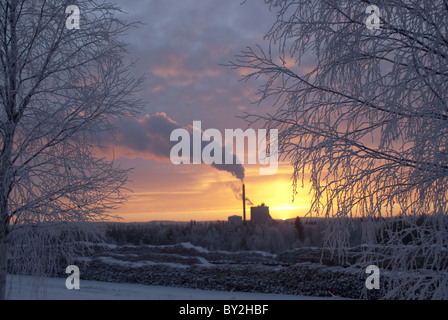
(244, 203)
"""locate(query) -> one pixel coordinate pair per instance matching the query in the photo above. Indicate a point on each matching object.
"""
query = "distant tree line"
(273, 237)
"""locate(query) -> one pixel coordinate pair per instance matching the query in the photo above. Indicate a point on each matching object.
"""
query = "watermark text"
(191, 148)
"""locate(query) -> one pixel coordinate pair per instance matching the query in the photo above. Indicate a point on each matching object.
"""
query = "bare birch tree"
(60, 87)
(363, 116)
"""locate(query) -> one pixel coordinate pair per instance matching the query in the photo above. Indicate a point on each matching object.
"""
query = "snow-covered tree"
(299, 228)
(363, 116)
(61, 85)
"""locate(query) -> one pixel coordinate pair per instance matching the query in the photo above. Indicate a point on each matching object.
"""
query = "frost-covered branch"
(59, 89)
(362, 116)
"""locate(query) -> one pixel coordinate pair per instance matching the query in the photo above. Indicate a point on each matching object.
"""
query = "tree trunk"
(4, 221)
(6, 172)
(5, 190)
(3, 264)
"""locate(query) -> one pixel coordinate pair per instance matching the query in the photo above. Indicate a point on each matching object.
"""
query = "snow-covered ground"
(22, 289)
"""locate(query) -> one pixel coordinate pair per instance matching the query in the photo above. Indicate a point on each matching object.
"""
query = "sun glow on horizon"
(162, 191)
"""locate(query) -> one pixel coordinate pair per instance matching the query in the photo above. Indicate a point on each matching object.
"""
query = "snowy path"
(95, 290)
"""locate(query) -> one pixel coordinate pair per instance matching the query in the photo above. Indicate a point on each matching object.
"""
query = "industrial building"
(235, 219)
(260, 214)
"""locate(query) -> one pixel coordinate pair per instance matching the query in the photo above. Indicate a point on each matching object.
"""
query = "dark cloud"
(180, 47)
(149, 138)
(146, 135)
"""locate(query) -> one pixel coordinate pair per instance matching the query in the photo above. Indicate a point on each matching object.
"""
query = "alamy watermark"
(373, 20)
(74, 18)
(219, 151)
(72, 281)
(373, 280)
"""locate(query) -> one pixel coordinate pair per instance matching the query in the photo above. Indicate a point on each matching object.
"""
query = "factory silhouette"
(258, 214)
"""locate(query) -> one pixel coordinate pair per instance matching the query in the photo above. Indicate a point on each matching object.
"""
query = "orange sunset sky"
(163, 191)
(180, 49)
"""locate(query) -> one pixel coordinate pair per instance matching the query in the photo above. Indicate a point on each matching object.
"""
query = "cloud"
(180, 72)
(181, 46)
(149, 138)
